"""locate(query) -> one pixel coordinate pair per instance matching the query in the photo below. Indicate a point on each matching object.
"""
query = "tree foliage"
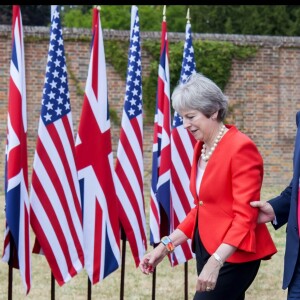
(32, 15)
(245, 19)
(224, 19)
(118, 17)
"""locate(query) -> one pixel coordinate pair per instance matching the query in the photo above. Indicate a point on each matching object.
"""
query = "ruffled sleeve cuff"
(244, 240)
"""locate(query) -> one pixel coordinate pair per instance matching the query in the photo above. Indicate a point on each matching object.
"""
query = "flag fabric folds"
(56, 214)
(95, 168)
(129, 163)
(182, 144)
(16, 249)
(160, 202)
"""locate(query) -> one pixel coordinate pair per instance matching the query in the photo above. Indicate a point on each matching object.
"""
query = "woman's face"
(198, 124)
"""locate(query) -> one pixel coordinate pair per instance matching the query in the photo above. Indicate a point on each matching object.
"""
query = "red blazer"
(232, 178)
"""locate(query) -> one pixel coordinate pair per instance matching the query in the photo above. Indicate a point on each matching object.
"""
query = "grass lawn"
(169, 281)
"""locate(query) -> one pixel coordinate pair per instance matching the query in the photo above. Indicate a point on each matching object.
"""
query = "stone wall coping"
(111, 34)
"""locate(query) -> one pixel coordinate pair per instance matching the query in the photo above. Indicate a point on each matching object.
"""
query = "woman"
(227, 173)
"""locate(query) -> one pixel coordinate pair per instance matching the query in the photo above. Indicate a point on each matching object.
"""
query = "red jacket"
(232, 178)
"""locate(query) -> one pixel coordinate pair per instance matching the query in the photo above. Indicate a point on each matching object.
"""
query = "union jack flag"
(56, 214)
(95, 168)
(129, 164)
(16, 249)
(182, 144)
(160, 202)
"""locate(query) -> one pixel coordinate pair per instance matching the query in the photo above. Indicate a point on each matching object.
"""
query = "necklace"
(207, 156)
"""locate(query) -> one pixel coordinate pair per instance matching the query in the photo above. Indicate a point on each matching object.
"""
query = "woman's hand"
(208, 277)
(152, 259)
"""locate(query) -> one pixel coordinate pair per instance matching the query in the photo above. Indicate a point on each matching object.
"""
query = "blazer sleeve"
(281, 205)
(247, 176)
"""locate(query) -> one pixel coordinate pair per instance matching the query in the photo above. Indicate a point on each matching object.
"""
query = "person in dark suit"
(282, 210)
(227, 172)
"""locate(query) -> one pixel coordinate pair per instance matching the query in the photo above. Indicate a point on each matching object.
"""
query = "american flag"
(182, 144)
(95, 168)
(129, 164)
(160, 202)
(16, 249)
(56, 214)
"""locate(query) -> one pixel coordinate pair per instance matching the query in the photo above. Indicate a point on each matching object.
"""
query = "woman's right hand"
(152, 259)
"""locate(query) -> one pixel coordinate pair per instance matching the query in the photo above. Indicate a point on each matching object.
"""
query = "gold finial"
(188, 16)
(164, 13)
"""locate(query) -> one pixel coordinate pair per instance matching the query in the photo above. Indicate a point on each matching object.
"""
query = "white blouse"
(200, 172)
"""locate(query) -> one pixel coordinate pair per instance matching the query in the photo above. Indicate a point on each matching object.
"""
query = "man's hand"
(266, 212)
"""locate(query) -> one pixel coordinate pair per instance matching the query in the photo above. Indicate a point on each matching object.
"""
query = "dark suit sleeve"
(281, 206)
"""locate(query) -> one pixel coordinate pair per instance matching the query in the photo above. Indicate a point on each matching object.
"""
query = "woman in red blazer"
(227, 174)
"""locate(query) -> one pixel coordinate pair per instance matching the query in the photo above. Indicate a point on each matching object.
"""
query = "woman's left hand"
(207, 279)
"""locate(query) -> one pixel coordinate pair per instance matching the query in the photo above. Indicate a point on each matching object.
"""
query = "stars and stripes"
(129, 164)
(16, 249)
(95, 168)
(56, 215)
(160, 202)
(182, 144)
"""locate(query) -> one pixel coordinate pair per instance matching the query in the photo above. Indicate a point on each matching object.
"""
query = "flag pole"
(186, 263)
(10, 268)
(89, 296)
(154, 245)
(123, 238)
(164, 14)
(153, 281)
(10, 280)
(186, 280)
(52, 287)
(89, 283)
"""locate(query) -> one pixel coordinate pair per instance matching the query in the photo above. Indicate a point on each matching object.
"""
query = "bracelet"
(167, 242)
(218, 258)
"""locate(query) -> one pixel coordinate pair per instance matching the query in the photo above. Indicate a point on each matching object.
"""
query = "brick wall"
(264, 91)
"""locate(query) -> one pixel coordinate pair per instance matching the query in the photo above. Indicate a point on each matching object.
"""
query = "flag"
(16, 249)
(95, 168)
(160, 201)
(182, 144)
(129, 163)
(56, 214)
